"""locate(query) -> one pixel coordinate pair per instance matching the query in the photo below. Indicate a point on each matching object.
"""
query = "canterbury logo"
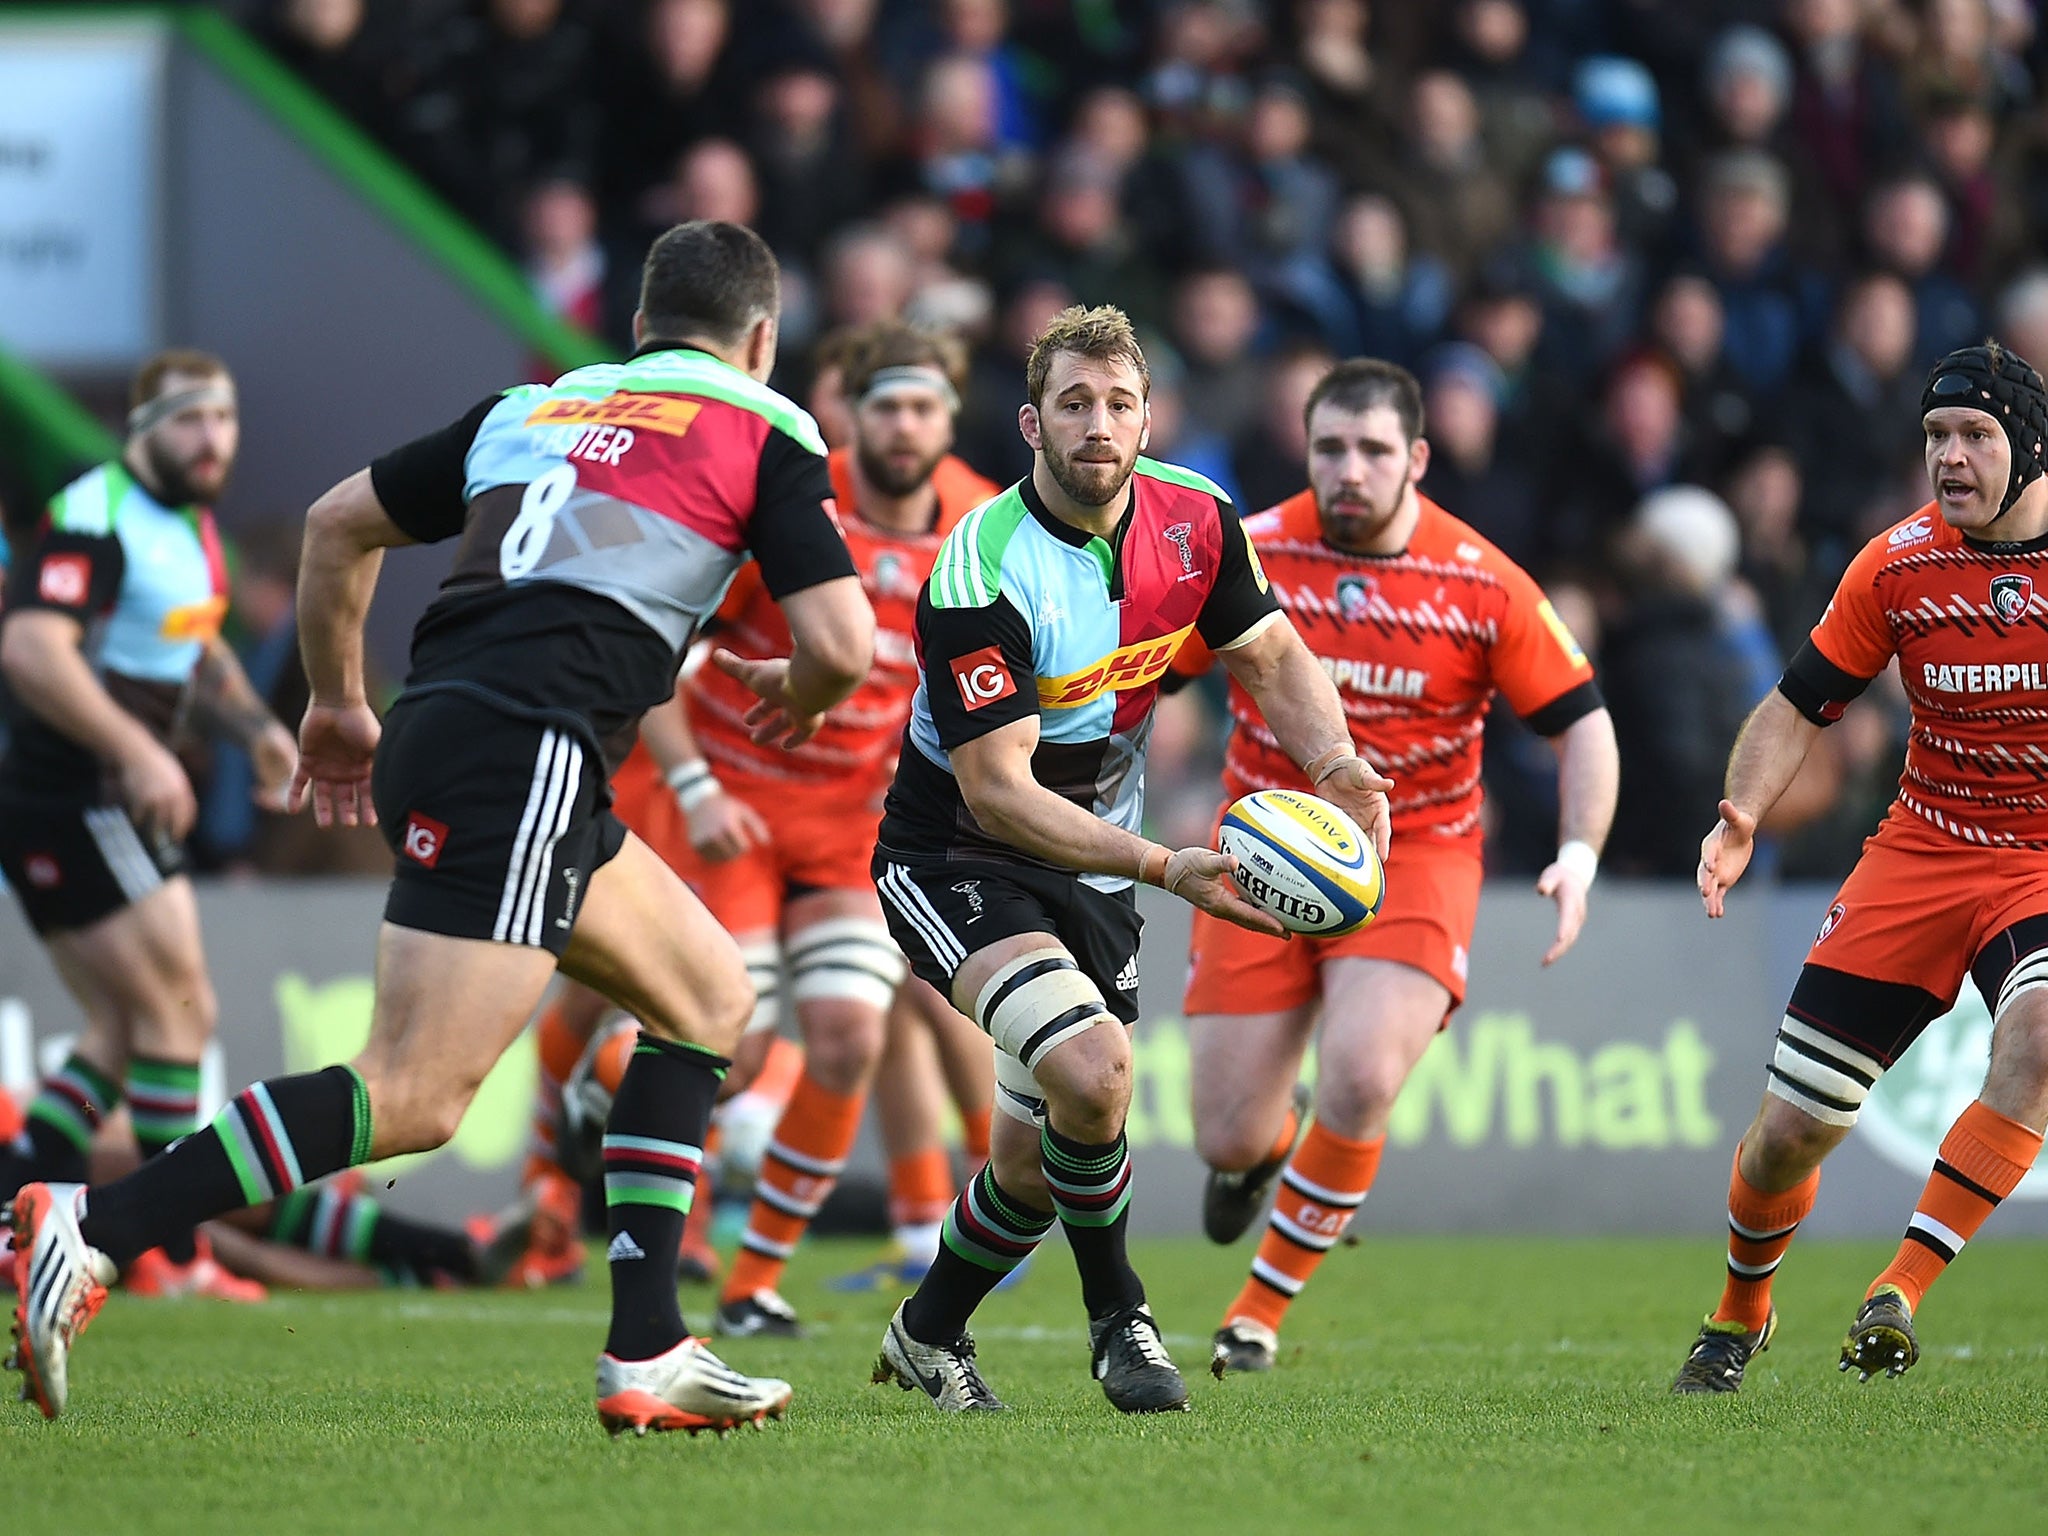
(650, 413)
(1128, 667)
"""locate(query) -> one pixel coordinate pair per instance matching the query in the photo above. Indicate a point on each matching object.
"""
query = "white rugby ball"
(1303, 860)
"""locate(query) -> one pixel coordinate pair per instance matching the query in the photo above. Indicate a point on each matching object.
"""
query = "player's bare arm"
(1588, 779)
(1301, 706)
(42, 656)
(994, 772)
(347, 532)
(722, 826)
(1774, 742)
(226, 705)
(834, 630)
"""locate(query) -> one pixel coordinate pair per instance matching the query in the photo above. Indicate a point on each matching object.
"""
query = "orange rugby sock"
(1289, 1129)
(559, 1048)
(1982, 1160)
(920, 1188)
(974, 1133)
(798, 1172)
(1760, 1228)
(1321, 1188)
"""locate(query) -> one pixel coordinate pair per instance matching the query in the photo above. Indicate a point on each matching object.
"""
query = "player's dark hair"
(893, 344)
(188, 362)
(1360, 383)
(1103, 334)
(708, 279)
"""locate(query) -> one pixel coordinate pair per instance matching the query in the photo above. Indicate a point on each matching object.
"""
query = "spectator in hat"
(1617, 104)
(1468, 477)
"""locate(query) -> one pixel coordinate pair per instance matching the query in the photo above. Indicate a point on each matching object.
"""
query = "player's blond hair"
(1103, 334)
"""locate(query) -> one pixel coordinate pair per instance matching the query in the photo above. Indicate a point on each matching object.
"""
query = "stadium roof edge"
(402, 198)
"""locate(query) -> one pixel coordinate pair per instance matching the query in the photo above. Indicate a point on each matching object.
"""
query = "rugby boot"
(60, 1284)
(1881, 1338)
(687, 1388)
(1721, 1354)
(1242, 1345)
(945, 1373)
(1231, 1201)
(1131, 1362)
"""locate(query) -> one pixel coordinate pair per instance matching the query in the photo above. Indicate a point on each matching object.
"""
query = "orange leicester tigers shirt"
(1968, 622)
(1416, 644)
(858, 742)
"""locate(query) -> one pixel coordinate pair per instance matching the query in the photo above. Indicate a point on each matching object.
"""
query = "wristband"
(1146, 874)
(1578, 858)
(692, 784)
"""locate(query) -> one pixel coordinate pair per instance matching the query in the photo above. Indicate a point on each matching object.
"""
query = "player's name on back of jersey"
(1994, 677)
(1375, 679)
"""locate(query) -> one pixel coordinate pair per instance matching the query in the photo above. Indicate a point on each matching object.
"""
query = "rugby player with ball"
(1419, 620)
(1009, 845)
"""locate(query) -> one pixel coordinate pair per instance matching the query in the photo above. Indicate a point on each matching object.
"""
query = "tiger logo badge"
(2011, 596)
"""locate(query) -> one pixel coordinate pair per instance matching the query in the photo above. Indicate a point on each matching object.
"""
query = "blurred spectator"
(2023, 314)
(1687, 322)
(866, 276)
(1374, 296)
(1853, 409)
(1460, 205)
(1196, 81)
(1347, 87)
(1591, 286)
(1679, 674)
(1747, 91)
(1764, 488)
(668, 83)
(975, 29)
(1490, 48)
(564, 261)
(1259, 202)
(1468, 477)
(1082, 240)
(1987, 234)
(1847, 108)
(875, 109)
(959, 153)
(811, 182)
(1215, 318)
(1769, 306)
(1957, 55)
(1906, 226)
(1176, 438)
(1271, 449)
(988, 436)
(1637, 445)
(941, 297)
(329, 45)
(1618, 105)
(1501, 315)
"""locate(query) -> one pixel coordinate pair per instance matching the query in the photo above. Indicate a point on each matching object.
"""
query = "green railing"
(46, 436)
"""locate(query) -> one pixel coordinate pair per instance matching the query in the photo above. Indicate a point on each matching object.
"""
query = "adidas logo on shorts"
(1127, 978)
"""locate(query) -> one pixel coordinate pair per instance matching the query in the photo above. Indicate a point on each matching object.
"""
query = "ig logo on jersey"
(982, 677)
(2011, 596)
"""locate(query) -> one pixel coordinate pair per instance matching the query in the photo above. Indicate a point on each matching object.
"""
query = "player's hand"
(1569, 892)
(1724, 855)
(1202, 877)
(157, 792)
(1359, 790)
(275, 757)
(778, 720)
(724, 826)
(336, 745)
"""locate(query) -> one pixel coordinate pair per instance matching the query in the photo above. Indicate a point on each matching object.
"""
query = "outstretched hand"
(1358, 789)
(1724, 854)
(776, 721)
(1204, 878)
(336, 746)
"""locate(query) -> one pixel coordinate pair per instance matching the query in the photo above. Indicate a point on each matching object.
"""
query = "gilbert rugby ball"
(1303, 860)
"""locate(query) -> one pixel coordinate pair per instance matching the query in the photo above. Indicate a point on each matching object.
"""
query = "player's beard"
(1090, 484)
(887, 478)
(176, 485)
(1355, 524)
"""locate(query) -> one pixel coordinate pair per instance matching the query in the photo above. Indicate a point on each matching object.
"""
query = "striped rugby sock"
(271, 1138)
(1321, 1189)
(799, 1171)
(64, 1117)
(1760, 1229)
(338, 1223)
(987, 1234)
(1091, 1194)
(163, 1104)
(1982, 1160)
(653, 1147)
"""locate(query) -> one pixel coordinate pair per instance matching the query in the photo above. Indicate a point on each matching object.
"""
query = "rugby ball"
(1303, 860)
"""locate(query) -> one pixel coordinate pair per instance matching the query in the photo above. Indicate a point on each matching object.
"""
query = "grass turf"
(1425, 1384)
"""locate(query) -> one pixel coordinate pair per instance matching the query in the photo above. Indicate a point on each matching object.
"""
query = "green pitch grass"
(1428, 1385)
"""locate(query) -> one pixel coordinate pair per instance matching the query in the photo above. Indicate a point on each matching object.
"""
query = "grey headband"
(153, 412)
(886, 381)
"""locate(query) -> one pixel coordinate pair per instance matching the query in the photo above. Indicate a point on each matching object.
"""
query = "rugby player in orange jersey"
(1418, 620)
(785, 838)
(1954, 883)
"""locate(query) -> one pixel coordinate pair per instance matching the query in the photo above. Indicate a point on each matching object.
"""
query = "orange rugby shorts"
(1919, 906)
(1425, 921)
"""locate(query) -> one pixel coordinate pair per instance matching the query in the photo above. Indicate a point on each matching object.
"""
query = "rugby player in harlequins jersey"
(600, 519)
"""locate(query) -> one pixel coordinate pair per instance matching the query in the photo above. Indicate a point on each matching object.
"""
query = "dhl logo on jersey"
(1127, 667)
(195, 621)
(670, 414)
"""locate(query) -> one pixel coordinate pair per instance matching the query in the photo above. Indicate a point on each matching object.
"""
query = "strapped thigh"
(1839, 1034)
(849, 958)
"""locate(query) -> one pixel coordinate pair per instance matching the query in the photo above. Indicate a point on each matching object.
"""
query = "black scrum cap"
(2006, 388)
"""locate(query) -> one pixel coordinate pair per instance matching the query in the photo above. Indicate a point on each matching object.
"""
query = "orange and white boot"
(687, 1388)
(60, 1284)
(160, 1277)
(554, 1240)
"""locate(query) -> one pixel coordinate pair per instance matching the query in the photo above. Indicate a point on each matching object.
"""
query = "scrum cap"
(2005, 387)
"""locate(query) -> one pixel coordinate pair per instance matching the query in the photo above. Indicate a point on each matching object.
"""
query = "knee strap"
(1818, 1074)
(850, 958)
(1037, 1001)
(764, 970)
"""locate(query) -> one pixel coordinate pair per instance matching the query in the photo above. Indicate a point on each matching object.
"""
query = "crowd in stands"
(1670, 272)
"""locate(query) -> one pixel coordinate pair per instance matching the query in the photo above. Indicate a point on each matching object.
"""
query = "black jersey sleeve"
(420, 485)
(1817, 688)
(978, 672)
(791, 533)
(67, 572)
(1241, 596)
